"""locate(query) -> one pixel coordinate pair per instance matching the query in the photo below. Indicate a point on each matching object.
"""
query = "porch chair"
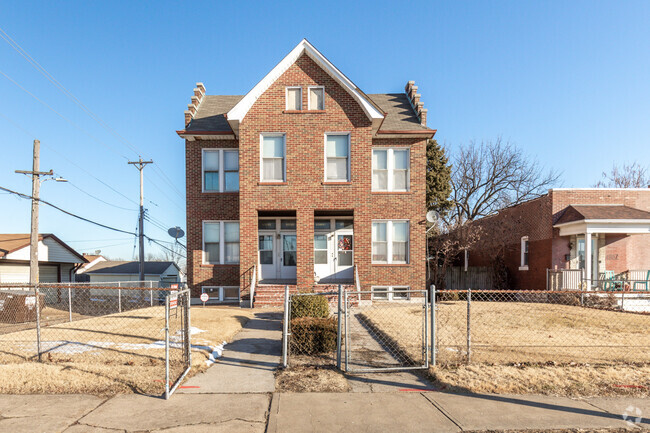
(642, 283)
(605, 280)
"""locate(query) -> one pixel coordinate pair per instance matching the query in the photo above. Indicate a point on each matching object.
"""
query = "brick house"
(305, 181)
(547, 240)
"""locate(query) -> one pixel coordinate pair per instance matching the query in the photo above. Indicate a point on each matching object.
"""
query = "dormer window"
(294, 98)
(316, 98)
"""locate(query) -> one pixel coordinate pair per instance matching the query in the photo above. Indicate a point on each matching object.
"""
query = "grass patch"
(529, 347)
(107, 355)
(306, 374)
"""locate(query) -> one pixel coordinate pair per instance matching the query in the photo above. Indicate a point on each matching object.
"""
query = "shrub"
(313, 335)
(309, 306)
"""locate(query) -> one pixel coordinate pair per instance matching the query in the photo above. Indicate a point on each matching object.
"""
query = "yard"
(110, 354)
(530, 347)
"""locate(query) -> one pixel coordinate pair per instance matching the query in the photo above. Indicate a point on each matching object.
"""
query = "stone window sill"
(336, 183)
(303, 111)
(523, 268)
(272, 183)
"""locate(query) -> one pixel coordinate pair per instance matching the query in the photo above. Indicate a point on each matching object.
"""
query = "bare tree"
(489, 176)
(628, 176)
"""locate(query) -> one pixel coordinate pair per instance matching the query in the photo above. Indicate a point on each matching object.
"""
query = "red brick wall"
(202, 207)
(304, 191)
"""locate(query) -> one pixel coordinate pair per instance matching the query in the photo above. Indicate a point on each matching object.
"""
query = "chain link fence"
(113, 332)
(383, 335)
(512, 327)
(311, 329)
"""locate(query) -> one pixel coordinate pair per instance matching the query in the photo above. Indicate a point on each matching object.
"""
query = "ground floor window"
(221, 293)
(390, 293)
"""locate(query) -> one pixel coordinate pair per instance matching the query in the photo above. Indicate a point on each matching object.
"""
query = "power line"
(29, 197)
(99, 199)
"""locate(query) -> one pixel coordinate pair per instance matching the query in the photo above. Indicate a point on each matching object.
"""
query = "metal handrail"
(253, 281)
(357, 283)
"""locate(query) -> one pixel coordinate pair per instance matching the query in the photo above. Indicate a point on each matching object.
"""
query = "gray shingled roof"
(400, 115)
(115, 267)
(211, 113)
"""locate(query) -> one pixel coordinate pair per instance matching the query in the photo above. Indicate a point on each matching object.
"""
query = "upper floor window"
(390, 169)
(294, 98)
(220, 170)
(273, 158)
(316, 98)
(390, 241)
(524, 254)
(337, 157)
(220, 242)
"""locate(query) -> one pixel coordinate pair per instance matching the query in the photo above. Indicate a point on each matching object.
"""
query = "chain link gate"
(383, 335)
(178, 354)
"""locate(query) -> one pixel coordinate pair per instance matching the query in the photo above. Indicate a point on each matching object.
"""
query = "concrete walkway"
(316, 412)
(248, 363)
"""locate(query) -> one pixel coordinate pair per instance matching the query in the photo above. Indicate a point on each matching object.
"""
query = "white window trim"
(389, 293)
(524, 240)
(286, 98)
(389, 242)
(221, 292)
(325, 180)
(309, 97)
(222, 242)
(390, 167)
(284, 152)
(222, 169)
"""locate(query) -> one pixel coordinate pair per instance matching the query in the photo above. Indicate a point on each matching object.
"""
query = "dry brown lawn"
(530, 347)
(311, 374)
(110, 354)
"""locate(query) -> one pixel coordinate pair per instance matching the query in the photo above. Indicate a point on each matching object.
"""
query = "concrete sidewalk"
(316, 412)
(248, 364)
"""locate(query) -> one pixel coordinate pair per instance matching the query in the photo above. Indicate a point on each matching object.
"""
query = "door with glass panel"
(333, 250)
(288, 259)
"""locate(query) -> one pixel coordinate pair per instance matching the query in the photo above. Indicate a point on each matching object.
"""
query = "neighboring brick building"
(549, 233)
(305, 181)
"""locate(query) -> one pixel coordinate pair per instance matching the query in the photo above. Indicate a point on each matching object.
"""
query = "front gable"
(237, 114)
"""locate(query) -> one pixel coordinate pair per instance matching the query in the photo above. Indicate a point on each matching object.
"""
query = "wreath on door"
(345, 243)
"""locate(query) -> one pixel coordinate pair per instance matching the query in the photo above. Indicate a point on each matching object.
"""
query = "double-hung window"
(273, 158)
(220, 242)
(220, 168)
(316, 98)
(390, 169)
(294, 99)
(390, 242)
(337, 157)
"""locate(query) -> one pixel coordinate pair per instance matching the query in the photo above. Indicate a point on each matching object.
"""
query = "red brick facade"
(549, 250)
(305, 191)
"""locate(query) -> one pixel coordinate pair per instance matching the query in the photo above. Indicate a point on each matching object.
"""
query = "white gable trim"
(239, 111)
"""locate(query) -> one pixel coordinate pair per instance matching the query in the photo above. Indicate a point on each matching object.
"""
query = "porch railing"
(253, 282)
(564, 279)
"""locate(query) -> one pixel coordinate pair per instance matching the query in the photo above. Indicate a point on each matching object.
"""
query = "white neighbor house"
(57, 262)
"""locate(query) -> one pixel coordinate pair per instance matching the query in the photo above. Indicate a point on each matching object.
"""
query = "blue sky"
(566, 81)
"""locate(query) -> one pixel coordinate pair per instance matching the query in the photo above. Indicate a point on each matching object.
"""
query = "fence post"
(69, 303)
(469, 327)
(433, 325)
(151, 297)
(347, 330)
(623, 299)
(285, 328)
(119, 299)
(167, 346)
(38, 321)
(338, 331)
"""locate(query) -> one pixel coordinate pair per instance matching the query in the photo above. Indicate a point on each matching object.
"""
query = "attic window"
(294, 98)
(316, 98)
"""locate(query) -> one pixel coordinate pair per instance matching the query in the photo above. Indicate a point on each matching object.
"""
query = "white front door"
(267, 255)
(288, 256)
(333, 250)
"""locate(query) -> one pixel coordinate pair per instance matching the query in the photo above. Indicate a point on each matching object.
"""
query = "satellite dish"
(433, 216)
(176, 232)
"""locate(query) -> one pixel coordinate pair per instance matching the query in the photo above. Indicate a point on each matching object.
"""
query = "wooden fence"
(476, 277)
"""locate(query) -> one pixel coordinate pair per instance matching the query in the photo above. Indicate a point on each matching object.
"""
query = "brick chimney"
(199, 93)
(412, 92)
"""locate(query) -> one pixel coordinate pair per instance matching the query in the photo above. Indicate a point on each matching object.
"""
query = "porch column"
(588, 262)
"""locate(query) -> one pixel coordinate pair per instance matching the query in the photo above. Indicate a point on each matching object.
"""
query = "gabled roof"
(239, 111)
(601, 212)
(122, 268)
(211, 115)
(399, 113)
(10, 242)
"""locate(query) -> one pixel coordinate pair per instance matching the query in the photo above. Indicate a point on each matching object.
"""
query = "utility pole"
(33, 239)
(140, 165)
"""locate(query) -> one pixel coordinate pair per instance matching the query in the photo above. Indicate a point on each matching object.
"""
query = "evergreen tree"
(438, 178)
